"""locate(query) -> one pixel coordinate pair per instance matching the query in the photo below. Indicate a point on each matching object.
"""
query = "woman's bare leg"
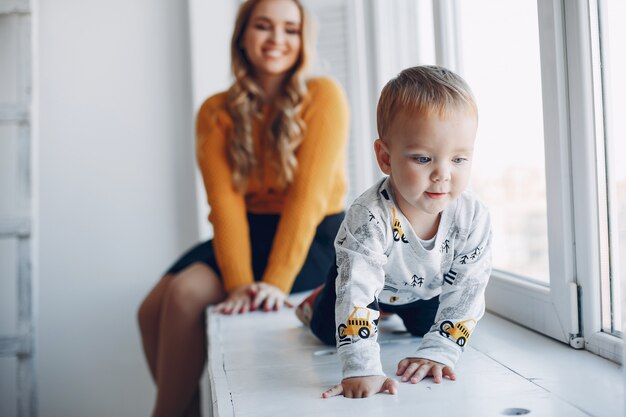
(149, 318)
(194, 409)
(179, 353)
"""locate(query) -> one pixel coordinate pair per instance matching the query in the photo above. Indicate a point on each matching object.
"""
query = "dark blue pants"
(418, 316)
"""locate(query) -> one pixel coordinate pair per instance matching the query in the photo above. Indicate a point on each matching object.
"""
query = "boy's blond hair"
(424, 90)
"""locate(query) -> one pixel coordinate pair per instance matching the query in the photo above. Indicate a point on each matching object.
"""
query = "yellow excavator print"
(398, 234)
(459, 332)
(354, 326)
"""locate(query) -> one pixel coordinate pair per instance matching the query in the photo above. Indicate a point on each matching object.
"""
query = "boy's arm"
(360, 247)
(462, 300)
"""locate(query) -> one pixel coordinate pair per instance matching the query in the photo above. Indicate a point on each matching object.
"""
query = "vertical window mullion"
(584, 155)
(612, 153)
(602, 195)
(558, 149)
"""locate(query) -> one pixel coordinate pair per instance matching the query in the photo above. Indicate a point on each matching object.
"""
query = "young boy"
(416, 243)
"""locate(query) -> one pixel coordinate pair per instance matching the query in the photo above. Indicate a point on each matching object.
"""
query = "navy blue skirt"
(262, 230)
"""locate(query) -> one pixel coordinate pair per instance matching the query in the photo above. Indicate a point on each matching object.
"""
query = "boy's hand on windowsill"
(362, 387)
(415, 369)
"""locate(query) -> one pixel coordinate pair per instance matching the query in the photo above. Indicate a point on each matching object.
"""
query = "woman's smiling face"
(272, 39)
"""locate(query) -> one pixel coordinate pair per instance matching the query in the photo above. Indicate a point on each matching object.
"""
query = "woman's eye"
(262, 26)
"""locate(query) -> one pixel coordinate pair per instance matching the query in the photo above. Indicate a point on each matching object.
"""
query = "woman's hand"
(267, 297)
(239, 301)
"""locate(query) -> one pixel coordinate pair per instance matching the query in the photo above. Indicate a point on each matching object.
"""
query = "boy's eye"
(421, 159)
(459, 160)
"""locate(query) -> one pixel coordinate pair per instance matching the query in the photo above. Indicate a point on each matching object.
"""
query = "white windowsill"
(589, 382)
(267, 364)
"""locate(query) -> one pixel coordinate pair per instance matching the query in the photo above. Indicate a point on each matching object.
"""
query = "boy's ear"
(382, 156)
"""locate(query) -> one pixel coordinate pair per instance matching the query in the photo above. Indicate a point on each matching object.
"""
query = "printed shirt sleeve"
(462, 300)
(228, 210)
(360, 247)
(321, 159)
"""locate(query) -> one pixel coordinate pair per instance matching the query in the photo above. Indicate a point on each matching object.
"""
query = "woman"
(271, 150)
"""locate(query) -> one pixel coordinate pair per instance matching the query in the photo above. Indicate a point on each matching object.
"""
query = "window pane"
(614, 83)
(500, 61)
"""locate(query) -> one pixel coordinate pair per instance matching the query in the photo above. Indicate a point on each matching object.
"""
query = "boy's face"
(429, 159)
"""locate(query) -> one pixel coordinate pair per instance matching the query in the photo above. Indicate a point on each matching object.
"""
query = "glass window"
(500, 59)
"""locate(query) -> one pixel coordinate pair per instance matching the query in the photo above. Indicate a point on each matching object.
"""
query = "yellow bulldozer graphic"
(356, 326)
(459, 332)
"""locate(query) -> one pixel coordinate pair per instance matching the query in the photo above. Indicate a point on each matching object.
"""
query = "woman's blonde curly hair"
(245, 98)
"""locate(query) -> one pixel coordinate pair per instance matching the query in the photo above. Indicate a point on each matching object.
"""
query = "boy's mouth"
(434, 196)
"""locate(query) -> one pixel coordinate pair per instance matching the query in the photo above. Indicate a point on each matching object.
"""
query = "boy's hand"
(415, 369)
(362, 387)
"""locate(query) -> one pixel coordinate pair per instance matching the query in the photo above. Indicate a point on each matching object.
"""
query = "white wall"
(211, 27)
(115, 187)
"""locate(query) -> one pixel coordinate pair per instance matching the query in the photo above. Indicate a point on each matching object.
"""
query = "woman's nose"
(277, 35)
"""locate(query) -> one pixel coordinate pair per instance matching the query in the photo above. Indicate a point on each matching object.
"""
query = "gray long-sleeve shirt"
(380, 258)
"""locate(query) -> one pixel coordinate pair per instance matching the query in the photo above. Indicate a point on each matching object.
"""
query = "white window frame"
(553, 309)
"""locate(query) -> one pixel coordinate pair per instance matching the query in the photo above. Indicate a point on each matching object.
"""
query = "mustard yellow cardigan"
(318, 188)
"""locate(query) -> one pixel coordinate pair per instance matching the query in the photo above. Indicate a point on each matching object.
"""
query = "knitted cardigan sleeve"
(321, 159)
(228, 209)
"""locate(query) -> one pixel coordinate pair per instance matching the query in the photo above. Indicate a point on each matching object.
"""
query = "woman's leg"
(175, 343)
(149, 316)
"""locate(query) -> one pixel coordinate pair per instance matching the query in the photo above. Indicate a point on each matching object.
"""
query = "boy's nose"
(441, 173)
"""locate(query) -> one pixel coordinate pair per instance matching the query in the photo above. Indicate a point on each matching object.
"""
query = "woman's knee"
(150, 308)
(194, 288)
(144, 316)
